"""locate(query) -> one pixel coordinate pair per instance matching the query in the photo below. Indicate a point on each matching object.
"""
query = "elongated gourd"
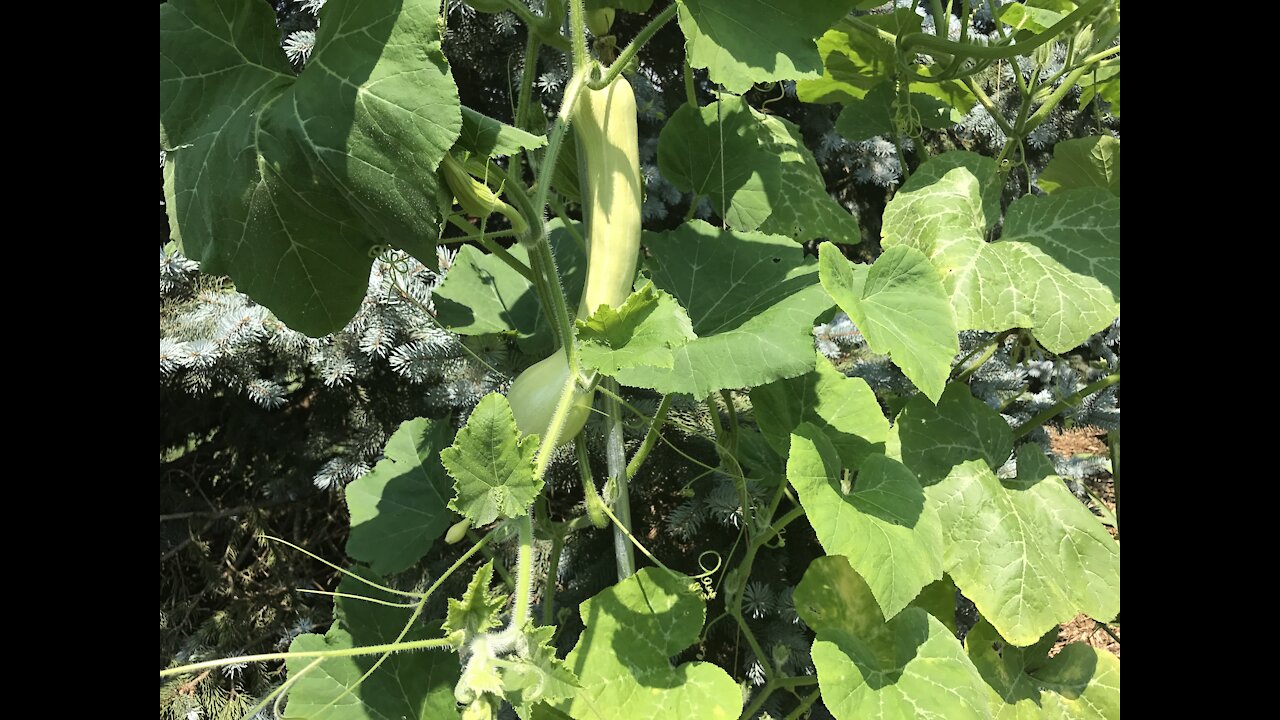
(605, 125)
(608, 146)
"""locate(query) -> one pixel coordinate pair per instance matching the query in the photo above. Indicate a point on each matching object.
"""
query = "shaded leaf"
(417, 684)
(908, 667)
(400, 508)
(1079, 683)
(492, 466)
(960, 427)
(751, 299)
(844, 408)
(872, 115)
(1083, 162)
(761, 41)
(621, 659)
(481, 294)
(855, 62)
(875, 517)
(488, 137)
(804, 210)
(755, 169)
(720, 151)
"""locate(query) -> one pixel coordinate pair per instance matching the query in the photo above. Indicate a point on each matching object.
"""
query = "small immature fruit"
(458, 532)
(474, 196)
(535, 393)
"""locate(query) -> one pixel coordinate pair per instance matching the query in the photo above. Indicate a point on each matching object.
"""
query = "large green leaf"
(639, 333)
(901, 308)
(755, 169)
(481, 294)
(720, 151)
(1079, 683)
(752, 299)
(401, 506)
(488, 137)
(759, 41)
(492, 465)
(1026, 551)
(1083, 162)
(1056, 268)
(291, 184)
(909, 667)
(960, 427)
(844, 408)
(622, 657)
(855, 60)
(414, 685)
(876, 517)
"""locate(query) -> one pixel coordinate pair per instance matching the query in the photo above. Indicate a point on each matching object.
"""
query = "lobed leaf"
(639, 333)
(1025, 551)
(492, 465)
(1056, 269)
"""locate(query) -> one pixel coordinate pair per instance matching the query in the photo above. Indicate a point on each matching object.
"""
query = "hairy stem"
(650, 438)
(631, 49)
(524, 573)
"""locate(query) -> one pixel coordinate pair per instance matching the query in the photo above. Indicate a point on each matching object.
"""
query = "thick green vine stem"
(920, 42)
(650, 438)
(629, 52)
(344, 652)
(1070, 401)
(616, 458)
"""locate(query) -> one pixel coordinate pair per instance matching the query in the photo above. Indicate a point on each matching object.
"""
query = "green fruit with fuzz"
(534, 395)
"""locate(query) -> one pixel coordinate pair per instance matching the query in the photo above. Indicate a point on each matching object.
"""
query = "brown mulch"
(1083, 629)
(1087, 441)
